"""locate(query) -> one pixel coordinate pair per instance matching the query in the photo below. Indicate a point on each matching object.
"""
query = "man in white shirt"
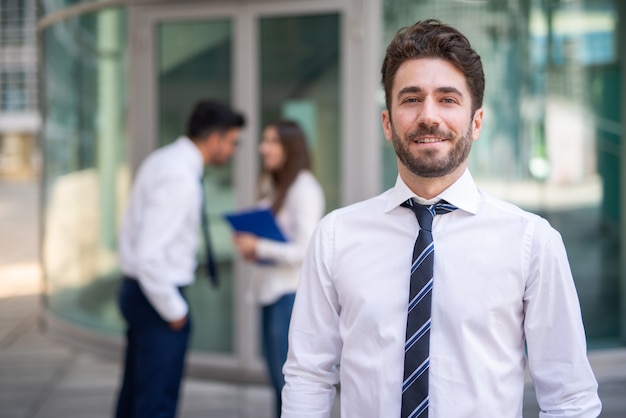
(158, 244)
(500, 277)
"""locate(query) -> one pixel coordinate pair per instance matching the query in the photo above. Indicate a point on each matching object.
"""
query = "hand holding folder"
(260, 222)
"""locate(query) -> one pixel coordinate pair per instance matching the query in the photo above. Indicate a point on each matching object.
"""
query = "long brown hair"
(297, 158)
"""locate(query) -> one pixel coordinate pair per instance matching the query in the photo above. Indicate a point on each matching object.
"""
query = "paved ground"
(41, 377)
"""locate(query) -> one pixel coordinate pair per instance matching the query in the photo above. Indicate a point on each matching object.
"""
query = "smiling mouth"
(428, 140)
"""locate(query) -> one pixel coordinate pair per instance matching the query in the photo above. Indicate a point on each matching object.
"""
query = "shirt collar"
(192, 152)
(463, 194)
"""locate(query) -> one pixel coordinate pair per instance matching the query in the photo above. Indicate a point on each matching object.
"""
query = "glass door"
(299, 79)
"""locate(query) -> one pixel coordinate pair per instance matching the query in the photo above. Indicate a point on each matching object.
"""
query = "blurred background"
(89, 88)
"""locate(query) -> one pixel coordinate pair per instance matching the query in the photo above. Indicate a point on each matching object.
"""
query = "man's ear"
(211, 141)
(387, 128)
(477, 123)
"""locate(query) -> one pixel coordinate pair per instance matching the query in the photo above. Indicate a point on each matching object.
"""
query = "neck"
(429, 187)
(203, 150)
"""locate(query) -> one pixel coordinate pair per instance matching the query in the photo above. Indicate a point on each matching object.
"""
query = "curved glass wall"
(551, 136)
(86, 176)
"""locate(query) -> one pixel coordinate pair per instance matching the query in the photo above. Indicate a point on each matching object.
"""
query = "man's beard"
(429, 164)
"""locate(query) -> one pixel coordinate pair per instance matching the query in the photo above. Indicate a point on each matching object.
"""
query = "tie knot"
(426, 213)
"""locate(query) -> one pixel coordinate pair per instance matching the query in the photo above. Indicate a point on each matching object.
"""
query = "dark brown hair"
(433, 39)
(297, 158)
(208, 116)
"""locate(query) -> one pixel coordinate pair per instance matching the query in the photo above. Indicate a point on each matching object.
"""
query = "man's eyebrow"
(417, 89)
(449, 90)
(409, 89)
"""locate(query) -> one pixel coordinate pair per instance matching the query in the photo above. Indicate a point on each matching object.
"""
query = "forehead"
(270, 132)
(429, 74)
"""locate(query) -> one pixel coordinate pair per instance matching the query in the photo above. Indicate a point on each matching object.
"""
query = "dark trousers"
(155, 358)
(275, 318)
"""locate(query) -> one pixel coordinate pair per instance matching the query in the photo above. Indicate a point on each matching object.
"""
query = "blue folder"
(260, 222)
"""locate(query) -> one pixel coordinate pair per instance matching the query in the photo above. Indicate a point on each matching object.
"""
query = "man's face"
(430, 123)
(223, 146)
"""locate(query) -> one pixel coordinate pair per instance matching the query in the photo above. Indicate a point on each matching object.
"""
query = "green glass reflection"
(51, 6)
(194, 62)
(86, 176)
(300, 80)
(551, 131)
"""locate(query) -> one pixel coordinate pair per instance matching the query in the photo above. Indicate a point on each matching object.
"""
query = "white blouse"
(301, 211)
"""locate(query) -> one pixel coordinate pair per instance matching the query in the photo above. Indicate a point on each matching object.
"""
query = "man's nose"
(429, 113)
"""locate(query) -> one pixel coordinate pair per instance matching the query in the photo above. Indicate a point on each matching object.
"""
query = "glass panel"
(51, 6)
(13, 91)
(15, 20)
(18, 56)
(551, 136)
(86, 176)
(194, 62)
(300, 80)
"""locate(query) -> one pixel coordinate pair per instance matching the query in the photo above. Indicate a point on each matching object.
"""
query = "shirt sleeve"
(557, 353)
(306, 204)
(166, 211)
(311, 370)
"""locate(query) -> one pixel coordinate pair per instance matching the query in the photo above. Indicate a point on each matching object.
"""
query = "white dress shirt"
(158, 241)
(501, 280)
(302, 209)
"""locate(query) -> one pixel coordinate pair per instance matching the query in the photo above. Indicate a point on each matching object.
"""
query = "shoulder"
(501, 211)
(306, 179)
(502, 208)
(163, 174)
(305, 185)
(363, 212)
(166, 162)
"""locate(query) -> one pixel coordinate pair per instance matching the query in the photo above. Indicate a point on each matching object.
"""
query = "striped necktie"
(416, 348)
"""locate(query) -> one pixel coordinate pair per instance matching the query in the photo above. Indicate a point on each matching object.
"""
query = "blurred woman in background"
(288, 188)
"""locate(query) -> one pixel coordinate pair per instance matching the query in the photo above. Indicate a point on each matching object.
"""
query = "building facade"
(19, 113)
(119, 77)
